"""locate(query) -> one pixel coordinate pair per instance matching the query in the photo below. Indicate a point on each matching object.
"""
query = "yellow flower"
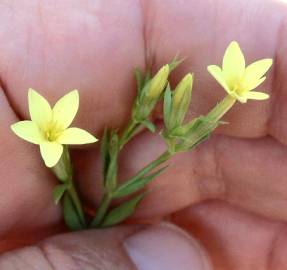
(238, 80)
(49, 127)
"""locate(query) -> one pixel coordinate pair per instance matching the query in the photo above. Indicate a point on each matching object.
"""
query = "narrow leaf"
(135, 184)
(114, 143)
(149, 125)
(167, 106)
(58, 192)
(139, 79)
(71, 217)
(105, 152)
(122, 212)
(147, 77)
(175, 62)
(111, 175)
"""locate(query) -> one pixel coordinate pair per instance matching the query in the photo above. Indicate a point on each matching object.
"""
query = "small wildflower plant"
(50, 129)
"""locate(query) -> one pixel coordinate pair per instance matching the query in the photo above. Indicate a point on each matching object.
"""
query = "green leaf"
(71, 217)
(114, 143)
(147, 77)
(112, 171)
(175, 62)
(122, 212)
(143, 93)
(167, 106)
(149, 125)
(58, 192)
(105, 152)
(135, 184)
(198, 133)
(139, 79)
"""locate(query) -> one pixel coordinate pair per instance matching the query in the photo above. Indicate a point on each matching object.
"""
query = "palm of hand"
(94, 46)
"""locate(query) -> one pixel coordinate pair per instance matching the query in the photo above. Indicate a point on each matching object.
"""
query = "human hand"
(94, 47)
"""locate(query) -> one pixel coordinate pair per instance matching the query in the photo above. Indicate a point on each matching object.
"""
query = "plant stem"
(221, 108)
(102, 210)
(76, 201)
(108, 196)
(205, 128)
(158, 161)
(128, 133)
(64, 172)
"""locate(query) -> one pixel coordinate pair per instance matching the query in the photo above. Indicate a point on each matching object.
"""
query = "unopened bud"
(183, 91)
(158, 83)
(180, 101)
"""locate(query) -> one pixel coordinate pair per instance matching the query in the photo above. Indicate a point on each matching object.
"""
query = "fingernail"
(164, 247)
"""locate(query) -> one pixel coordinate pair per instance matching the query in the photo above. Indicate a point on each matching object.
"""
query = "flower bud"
(183, 91)
(181, 100)
(158, 83)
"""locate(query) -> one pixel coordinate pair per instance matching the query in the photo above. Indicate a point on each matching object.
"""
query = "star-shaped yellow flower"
(238, 80)
(49, 127)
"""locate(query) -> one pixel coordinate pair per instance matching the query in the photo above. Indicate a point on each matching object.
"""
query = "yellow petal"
(51, 153)
(216, 72)
(252, 84)
(233, 65)
(257, 95)
(255, 71)
(240, 98)
(66, 109)
(39, 108)
(28, 131)
(76, 136)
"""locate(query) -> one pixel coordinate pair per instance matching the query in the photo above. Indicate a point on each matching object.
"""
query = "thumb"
(157, 247)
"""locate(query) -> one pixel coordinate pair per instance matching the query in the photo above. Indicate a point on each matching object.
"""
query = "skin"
(237, 179)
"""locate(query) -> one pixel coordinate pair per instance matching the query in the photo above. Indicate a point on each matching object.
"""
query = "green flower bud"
(158, 83)
(181, 100)
(183, 91)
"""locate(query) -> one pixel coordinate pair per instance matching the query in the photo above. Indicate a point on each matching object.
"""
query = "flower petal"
(66, 109)
(252, 84)
(233, 65)
(51, 153)
(255, 71)
(39, 108)
(28, 131)
(257, 95)
(76, 136)
(240, 98)
(216, 72)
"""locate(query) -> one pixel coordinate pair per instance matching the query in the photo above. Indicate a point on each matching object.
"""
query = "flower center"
(50, 135)
(52, 131)
(237, 88)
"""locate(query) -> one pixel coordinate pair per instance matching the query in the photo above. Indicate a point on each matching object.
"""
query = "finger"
(261, 33)
(117, 248)
(235, 239)
(53, 63)
(249, 173)
(45, 59)
(94, 48)
(26, 209)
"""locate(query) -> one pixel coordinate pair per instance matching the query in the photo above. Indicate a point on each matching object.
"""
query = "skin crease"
(94, 46)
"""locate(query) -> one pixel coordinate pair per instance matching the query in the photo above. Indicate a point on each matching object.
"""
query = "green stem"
(101, 211)
(158, 161)
(205, 128)
(76, 201)
(64, 172)
(129, 132)
(221, 108)
(108, 196)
